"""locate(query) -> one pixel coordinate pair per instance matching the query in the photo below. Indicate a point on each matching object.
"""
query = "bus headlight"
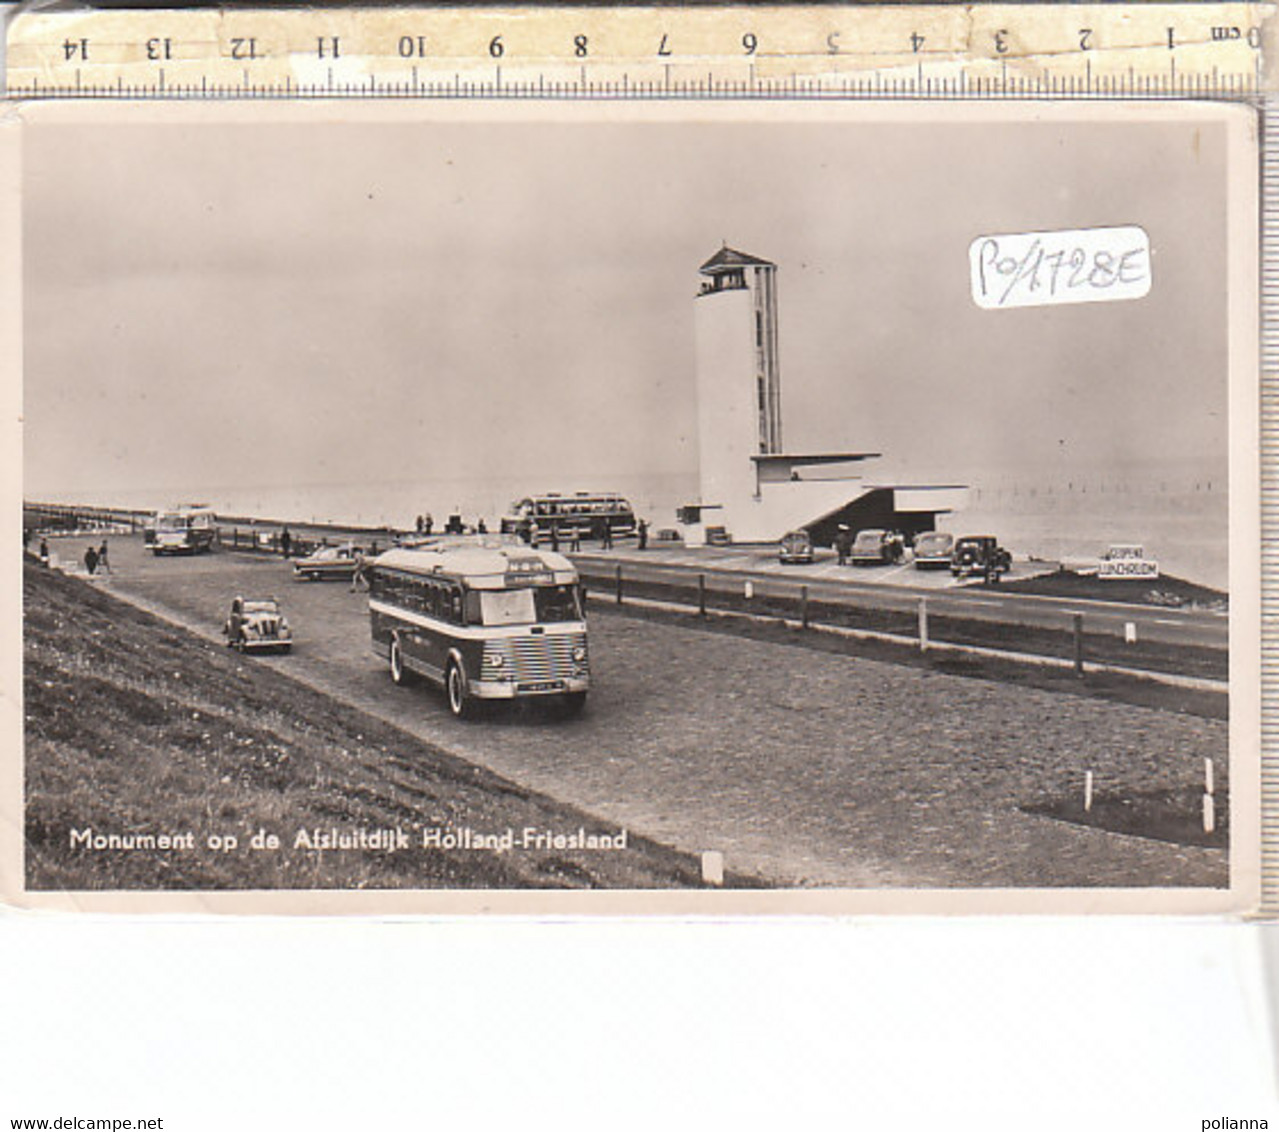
(494, 659)
(579, 654)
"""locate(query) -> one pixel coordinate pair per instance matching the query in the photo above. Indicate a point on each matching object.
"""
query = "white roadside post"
(713, 867)
(1209, 808)
(1087, 791)
(1130, 632)
(923, 624)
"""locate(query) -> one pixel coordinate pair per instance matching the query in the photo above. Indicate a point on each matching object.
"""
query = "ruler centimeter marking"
(1011, 50)
(1269, 506)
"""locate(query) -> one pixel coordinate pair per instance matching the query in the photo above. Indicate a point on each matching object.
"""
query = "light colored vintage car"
(328, 562)
(257, 623)
(933, 550)
(876, 547)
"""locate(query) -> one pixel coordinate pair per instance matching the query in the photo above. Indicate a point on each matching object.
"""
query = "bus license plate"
(541, 686)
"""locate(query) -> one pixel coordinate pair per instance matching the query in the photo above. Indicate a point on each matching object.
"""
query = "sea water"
(1181, 519)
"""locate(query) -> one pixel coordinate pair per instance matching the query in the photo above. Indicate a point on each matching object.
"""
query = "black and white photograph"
(607, 507)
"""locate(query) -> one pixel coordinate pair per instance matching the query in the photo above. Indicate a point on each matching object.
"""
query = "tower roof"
(728, 258)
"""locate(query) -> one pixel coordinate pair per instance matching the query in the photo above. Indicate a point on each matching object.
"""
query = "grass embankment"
(1165, 592)
(135, 727)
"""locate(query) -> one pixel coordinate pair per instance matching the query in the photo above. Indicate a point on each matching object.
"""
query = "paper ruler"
(1011, 50)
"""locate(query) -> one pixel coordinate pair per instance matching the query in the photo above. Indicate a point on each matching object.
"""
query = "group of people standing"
(425, 525)
(95, 558)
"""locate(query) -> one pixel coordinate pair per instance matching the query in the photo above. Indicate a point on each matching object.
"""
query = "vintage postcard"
(617, 507)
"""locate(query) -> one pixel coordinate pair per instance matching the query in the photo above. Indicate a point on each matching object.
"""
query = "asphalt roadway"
(899, 588)
(804, 767)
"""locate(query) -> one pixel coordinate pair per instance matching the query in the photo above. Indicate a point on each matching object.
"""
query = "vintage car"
(796, 548)
(980, 555)
(933, 550)
(337, 562)
(876, 547)
(257, 623)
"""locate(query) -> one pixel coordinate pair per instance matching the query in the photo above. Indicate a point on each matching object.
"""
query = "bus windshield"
(528, 606)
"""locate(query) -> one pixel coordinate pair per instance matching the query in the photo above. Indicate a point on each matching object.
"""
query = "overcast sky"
(258, 303)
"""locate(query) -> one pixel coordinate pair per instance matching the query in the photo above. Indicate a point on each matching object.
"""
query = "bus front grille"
(531, 659)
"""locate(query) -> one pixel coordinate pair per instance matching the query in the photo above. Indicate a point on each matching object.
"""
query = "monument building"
(751, 487)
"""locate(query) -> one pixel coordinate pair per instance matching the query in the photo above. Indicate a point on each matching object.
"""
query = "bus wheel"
(399, 673)
(461, 703)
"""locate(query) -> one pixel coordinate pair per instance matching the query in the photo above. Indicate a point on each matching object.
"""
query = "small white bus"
(485, 618)
(184, 530)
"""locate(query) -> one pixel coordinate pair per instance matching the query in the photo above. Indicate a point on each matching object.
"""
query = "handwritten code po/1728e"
(1085, 265)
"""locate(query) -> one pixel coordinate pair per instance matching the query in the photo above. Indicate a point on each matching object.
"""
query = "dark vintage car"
(933, 550)
(257, 623)
(980, 556)
(876, 547)
(329, 562)
(796, 548)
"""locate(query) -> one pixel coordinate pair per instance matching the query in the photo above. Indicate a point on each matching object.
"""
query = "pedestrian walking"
(555, 537)
(481, 528)
(91, 560)
(286, 542)
(843, 544)
(103, 561)
(419, 523)
(642, 531)
(427, 523)
(607, 541)
(44, 551)
(358, 579)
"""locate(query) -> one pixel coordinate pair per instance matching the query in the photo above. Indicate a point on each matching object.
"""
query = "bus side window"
(454, 605)
(471, 607)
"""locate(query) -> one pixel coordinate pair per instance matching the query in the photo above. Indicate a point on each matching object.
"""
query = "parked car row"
(970, 556)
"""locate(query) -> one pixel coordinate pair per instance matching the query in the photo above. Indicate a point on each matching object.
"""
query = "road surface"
(801, 766)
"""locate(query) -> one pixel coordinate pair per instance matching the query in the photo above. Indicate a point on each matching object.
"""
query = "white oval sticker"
(1079, 265)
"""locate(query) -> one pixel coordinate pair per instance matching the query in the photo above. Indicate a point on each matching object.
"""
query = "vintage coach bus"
(184, 530)
(484, 618)
(582, 514)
